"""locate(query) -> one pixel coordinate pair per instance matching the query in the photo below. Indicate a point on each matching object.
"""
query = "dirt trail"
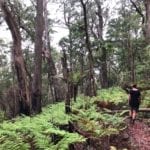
(139, 135)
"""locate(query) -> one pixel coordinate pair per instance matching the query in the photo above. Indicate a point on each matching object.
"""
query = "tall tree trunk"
(91, 81)
(71, 68)
(67, 19)
(56, 89)
(103, 71)
(37, 76)
(23, 83)
(103, 68)
(100, 19)
(82, 71)
(147, 25)
(69, 85)
(130, 60)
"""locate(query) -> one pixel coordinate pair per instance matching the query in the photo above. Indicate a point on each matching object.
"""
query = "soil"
(139, 133)
(135, 137)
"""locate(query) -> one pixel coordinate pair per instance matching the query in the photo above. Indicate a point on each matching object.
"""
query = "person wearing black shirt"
(134, 102)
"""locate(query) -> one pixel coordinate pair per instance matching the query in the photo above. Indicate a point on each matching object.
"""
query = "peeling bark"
(91, 89)
(147, 25)
(18, 61)
(54, 83)
(37, 77)
(69, 85)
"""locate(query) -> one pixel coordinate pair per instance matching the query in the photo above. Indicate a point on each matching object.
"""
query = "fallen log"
(124, 111)
(144, 110)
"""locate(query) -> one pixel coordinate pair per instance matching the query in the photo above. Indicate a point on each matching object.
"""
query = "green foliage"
(42, 132)
(76, 77)
(83, 102)
(2, 116)
(67, 139)
(145, 99)
(28, 132)
(145, 94)
(5, 78)
(98, 123)
(57, 114)
(115, 95)
(122, 30)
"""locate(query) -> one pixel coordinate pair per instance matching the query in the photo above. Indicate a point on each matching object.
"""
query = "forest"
(73, 94)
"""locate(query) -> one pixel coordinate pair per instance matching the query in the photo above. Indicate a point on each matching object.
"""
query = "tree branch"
(138, 10)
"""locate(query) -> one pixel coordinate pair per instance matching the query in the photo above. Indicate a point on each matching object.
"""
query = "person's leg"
(135, 111)
(134, 114)
(130, 113)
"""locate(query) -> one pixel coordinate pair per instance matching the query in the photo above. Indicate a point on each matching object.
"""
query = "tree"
(68, 83)
(17, 56)
(103, 58)
(91, 90)
(147, 24)
(126, 35)
(54, 83)
(37, 76)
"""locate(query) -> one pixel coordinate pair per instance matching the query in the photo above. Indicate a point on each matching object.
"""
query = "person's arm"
(129, 98)
(139, 98)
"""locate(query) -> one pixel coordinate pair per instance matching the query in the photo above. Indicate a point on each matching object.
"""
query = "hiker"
(134, 102)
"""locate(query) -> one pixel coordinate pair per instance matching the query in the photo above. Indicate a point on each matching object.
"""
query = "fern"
(27, 132)
(145, 99)
(113, 95)
(97, 123)
(37, 132)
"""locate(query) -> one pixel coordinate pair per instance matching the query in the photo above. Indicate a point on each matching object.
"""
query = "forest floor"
(135, 137)
(139, 134)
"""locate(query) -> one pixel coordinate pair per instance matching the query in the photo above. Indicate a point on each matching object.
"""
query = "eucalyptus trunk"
(37, 76)
(103, 65)
(130, 60)
(55, 87)
(17, 59)
(147, 24)
(69, 85)
(91, 88)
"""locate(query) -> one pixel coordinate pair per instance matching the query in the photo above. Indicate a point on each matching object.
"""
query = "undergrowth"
(145, 94)
(23, 133)
(42, 132)
(90, 119)
(2, 116)
(145, 99)
(115, 95)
